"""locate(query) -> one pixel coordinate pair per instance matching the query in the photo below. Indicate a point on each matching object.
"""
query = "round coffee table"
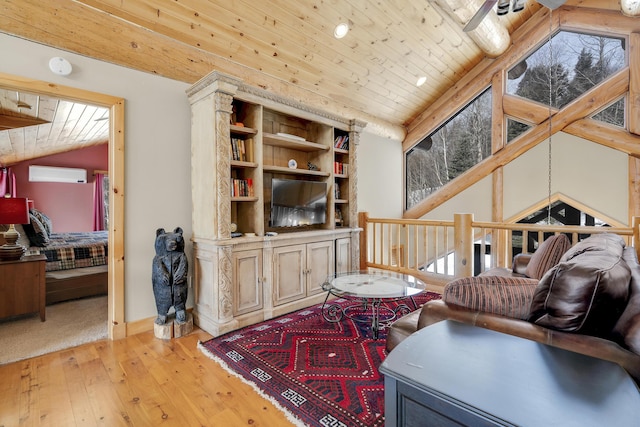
(368, 290)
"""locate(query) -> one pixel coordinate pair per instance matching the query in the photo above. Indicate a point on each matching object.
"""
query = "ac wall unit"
(56, 174)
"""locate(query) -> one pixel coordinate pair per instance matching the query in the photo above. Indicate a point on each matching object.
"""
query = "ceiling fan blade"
(479, 16)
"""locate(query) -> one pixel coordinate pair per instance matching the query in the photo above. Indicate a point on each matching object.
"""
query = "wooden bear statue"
(169, 275)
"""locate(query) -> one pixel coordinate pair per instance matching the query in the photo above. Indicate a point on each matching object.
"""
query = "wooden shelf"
(241, 130)
(341, 175)
(276, 131)
(289, 171)
(284, 142)
(239, 164)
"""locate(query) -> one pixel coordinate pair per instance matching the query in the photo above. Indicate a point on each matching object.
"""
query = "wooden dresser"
(22, 286)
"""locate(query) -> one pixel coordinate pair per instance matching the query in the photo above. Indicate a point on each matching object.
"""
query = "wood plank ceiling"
(33, 125)
(280, 45)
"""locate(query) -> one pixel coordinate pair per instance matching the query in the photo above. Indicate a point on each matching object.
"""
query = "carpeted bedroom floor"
(67, 325)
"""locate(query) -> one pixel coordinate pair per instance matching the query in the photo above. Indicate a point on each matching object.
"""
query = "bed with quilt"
(77, 262)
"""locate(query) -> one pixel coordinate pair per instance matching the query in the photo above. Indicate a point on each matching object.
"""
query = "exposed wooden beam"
(607, 135)
(634, 84)
(525, 110)
(498, 123)
(630, 7)
(490, 35)
(634, 187)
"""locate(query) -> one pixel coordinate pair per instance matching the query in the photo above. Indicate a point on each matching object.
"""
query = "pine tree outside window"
(575, 63)
(459, 144)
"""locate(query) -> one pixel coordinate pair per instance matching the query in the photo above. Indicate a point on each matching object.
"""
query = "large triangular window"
(561, 213)
(572, 62)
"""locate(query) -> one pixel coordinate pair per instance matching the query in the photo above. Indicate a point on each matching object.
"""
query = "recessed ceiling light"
(341, 30)
(421, 81)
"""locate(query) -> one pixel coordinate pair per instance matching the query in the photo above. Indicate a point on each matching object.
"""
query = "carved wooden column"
(355, 128)
(211, 99)
(211, 105)
(225, 285)
(223, 168)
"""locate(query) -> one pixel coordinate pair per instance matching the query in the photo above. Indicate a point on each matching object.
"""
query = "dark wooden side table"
(22, 286)
(452, 374)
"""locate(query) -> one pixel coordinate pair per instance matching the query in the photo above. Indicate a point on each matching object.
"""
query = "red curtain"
(98, 203)
(8, 183)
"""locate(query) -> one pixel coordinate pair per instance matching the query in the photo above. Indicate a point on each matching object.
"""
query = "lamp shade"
(14, 210)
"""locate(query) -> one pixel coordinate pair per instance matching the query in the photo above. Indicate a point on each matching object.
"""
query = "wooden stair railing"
(439, 251)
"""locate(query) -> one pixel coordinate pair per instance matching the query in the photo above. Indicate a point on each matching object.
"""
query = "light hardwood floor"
(136, 381)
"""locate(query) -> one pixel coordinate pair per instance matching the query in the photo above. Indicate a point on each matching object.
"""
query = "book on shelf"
(248, 149)
(238, 149)
(242, 187)
(340, 168)
(341, 142)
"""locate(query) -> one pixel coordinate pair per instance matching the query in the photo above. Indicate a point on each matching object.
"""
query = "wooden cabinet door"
(247, 281)
(343, 255)
(319, 265)
(289, 268)
(21, 290)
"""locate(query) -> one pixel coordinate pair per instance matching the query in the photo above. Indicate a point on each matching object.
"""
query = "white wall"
(380, 176)
(157, 152)
(476, 200)
(589, 173)
(593, 175)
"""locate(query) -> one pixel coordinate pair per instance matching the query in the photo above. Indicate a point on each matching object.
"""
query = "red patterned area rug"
(319, 373)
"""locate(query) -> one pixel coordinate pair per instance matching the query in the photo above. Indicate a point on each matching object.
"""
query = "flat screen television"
(298, 203)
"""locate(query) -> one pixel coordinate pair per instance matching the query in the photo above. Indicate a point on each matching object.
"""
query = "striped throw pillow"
(506, 296)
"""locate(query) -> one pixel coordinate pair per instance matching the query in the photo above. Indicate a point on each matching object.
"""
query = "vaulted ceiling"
(284, 46)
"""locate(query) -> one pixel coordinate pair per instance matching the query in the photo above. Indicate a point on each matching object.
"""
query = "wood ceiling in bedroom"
(33, 125)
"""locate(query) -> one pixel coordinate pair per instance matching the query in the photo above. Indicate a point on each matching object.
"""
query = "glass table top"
(374, 284)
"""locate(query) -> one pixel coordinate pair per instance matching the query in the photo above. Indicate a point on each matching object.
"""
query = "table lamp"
(12, 211)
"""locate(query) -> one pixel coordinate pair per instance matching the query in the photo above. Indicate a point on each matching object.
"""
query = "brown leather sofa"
(589, 303)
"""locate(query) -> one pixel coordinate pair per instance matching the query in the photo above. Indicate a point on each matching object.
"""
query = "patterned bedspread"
(75, 250)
